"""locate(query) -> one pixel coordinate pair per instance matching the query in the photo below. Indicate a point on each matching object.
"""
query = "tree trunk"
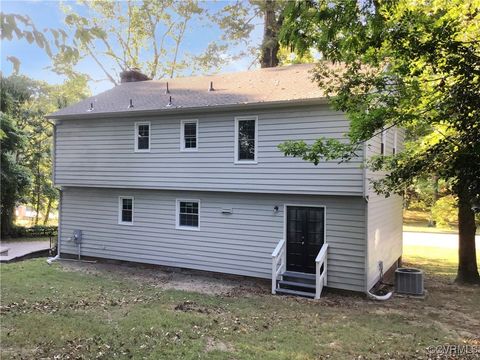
(435, 179)
(270, 46)
(37, 195)
(467, 259)
(47, 213)
(7, 219)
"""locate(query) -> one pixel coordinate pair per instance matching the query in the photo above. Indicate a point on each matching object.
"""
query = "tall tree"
(406, 63)
(273, 18)
(25, 102)
(15, 177)
(119, 35)
(239, 19)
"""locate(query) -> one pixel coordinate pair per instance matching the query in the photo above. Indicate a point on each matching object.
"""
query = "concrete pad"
(18, 249)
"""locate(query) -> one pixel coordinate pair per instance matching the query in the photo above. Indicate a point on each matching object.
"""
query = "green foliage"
(404, 63)
(407, 64)
(445, 211)
(27, 142)
(15, 177)
(147, 34)
(33, 231)
(287, 57)
(21, 27)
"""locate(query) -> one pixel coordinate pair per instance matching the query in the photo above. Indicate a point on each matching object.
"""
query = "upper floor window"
(189, 135)
(246, 134)
(142, 136)
(125, 210)
(394, 149)
(188, 214)
(384, 141)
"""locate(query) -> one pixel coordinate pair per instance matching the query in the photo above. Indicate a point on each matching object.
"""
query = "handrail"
(279, 263)
(321, 278)
(322, 253)
(278, 248)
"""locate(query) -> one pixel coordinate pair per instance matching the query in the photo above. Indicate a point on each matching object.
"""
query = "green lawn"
(49, 312)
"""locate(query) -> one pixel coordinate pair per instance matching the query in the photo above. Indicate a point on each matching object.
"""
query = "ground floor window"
(188, 214)
(125, 210)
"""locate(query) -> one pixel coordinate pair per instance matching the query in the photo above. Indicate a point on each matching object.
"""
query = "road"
(449, 241)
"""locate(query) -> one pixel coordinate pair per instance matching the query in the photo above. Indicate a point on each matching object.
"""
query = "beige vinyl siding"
(238, 243)
(385, 215)
(100, 153)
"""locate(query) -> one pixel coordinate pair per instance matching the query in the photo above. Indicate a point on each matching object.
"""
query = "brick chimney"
(133, 75)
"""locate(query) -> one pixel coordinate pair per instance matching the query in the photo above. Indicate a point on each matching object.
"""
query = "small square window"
(189, 135)
(125, 215)
(188, 214)
(142, 136)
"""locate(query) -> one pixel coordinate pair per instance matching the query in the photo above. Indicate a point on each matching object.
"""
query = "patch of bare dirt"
(189, 306)
(217, 345)
(178, 279)
(444, 302)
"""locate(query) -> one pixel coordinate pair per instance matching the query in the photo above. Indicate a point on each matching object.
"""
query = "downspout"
(365, 198)
(379, 298)
(59, 232)
(59, 228)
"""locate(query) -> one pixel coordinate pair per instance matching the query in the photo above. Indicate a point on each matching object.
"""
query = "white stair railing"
(321, 278)
(279, 263)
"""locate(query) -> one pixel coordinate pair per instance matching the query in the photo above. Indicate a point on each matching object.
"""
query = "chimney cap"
(133, 75)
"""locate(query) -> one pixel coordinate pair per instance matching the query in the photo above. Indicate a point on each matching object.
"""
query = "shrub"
(34, 231)
(445, 211)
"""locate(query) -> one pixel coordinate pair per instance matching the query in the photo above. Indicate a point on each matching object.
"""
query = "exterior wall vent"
(409, 281)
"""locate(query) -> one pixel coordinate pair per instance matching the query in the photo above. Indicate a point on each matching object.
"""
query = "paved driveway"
(434, 239)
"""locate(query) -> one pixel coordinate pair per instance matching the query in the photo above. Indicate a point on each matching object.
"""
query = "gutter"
(186, 110)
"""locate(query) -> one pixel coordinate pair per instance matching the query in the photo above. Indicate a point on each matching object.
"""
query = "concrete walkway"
(449, 241)
(18, 249)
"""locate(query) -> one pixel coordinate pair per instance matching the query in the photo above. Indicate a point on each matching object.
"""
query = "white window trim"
(182, 134)
(245, 162)
(177, 215)
(137, 124)
(383, 141)
(395, 140)
(120, 208)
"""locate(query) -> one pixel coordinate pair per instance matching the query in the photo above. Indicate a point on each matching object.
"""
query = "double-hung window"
(125, 210)
(189, 135)
(394, 149)
(142, 136)
(383, 142)
(188, 214)
(246, 136)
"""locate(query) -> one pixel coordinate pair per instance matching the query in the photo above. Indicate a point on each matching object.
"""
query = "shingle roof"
(280, 84)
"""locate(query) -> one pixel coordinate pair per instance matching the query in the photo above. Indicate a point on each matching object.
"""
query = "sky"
(48, 14)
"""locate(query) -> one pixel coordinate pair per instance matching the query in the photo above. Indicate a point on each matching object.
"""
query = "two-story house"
(187, 173)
